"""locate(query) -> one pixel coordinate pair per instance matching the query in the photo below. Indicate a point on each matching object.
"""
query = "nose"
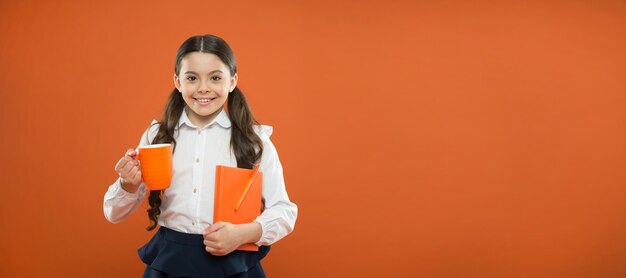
(204, 87)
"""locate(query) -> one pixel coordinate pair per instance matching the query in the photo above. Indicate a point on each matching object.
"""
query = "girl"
(204, 132)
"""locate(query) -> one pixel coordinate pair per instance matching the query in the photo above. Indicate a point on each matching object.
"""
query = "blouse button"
(197, 160)
(193, 223)
(194, 190)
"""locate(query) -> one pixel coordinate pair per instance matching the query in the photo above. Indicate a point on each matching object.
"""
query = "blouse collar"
(221, 119)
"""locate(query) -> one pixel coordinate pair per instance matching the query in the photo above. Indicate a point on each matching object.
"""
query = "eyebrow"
(193, 72)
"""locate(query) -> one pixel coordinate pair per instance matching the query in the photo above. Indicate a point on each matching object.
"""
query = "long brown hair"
(244, 142)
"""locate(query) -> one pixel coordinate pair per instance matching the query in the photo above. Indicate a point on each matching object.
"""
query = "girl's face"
(204, 81)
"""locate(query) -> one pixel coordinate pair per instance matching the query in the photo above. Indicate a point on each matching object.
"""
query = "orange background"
(447, 139)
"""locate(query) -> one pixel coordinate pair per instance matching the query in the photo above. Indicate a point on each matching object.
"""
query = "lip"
(202, 103)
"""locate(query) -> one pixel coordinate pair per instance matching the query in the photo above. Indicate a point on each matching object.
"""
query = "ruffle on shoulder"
(264, 131)
(153, 130)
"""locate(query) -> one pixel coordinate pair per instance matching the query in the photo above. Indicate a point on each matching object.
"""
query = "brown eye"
(216, 78)
(191, 78)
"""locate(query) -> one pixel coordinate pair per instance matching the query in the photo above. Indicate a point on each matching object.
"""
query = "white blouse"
(187, 205)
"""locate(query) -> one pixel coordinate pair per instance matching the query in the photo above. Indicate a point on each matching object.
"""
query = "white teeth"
(203, 100)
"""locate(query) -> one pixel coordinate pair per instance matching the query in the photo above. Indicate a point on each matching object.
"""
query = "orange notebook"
(230, 185)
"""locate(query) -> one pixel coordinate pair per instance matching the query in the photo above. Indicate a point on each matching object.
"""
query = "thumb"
(131, 152)
(215, 227)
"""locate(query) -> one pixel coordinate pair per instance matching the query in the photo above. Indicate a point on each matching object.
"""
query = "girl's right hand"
(128, 170)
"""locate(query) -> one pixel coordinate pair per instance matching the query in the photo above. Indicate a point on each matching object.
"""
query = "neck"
(201, 121)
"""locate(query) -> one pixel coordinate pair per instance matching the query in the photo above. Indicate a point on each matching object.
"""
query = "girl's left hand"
(222, 238)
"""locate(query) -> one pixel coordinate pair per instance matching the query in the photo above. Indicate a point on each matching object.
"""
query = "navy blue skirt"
(174, 254)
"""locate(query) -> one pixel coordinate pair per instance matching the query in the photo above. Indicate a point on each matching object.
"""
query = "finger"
(133, 170)
(213, 247)
(121, 163)
(132, 173)
(127, 168)
(210, 244)
(137, 177)
(127, 159)
(213, 251)
(127, 178)
(206, 230)
(211, 237)
(131, 152)
(218, 252)
(215, 227)
(132, 159)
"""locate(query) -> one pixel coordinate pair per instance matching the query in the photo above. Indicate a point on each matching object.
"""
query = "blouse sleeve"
(119, 203)
(279, 217)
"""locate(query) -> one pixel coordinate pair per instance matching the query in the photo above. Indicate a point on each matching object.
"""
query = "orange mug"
(156, 165)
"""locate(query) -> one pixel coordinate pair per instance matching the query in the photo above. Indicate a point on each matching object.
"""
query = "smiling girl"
(209, 123)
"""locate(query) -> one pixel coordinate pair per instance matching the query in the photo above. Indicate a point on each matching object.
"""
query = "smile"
(204, 100)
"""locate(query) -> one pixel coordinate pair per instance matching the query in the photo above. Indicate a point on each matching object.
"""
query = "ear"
(233, 82)
(176, 82)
